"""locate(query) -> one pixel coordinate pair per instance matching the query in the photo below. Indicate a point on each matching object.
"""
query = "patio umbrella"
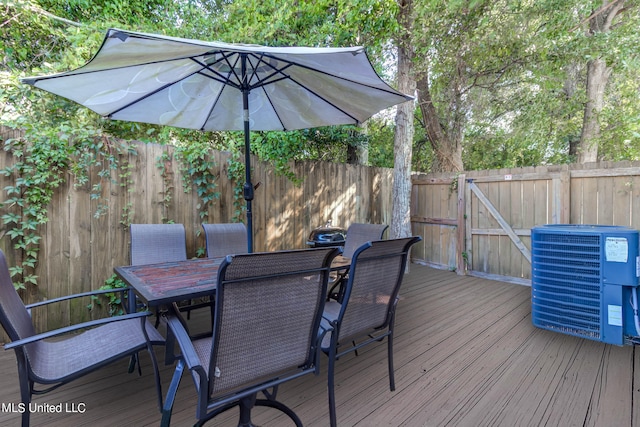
(205, 85)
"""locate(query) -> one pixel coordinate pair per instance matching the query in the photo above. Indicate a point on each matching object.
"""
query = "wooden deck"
(466, 354)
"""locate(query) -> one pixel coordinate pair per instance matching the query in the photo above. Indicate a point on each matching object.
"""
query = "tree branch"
(599, 11)
(50, 15)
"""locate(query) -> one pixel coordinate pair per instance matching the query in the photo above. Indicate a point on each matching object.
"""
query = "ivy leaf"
(11, 218)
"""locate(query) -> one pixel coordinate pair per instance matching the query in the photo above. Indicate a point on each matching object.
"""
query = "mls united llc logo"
(67, 408)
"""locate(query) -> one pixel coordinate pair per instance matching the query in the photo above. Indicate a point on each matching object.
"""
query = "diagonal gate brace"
(504, 224)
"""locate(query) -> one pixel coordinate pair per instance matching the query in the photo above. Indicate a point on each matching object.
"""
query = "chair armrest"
(324, 329)
(325, 326)
(62, 331)
(80, 295)
(176, 327)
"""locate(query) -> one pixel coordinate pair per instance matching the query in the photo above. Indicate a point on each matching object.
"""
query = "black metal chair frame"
(374, 333)
(245, 396)
(21, 339)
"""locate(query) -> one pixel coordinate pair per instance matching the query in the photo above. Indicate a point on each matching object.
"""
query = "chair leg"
(156, 373)
(167, 408)
(246, 405)
(331, 386)
(392, 380)
(26, 386)
(133, 361)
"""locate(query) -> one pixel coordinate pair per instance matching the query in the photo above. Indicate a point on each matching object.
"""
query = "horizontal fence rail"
(476, 223)
(480, 222)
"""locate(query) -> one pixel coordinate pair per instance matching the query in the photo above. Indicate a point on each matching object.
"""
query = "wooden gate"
(479, 223)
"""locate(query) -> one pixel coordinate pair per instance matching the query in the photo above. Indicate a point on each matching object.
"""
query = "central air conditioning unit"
(584, 281)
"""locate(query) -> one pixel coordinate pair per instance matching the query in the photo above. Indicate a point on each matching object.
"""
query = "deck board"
(466, 354)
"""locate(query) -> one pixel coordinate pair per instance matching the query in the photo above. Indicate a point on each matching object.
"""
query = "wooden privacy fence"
(79, 249)
(480, 222)
(475, 223)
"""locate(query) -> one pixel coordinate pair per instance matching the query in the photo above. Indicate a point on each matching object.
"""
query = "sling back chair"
(265, 332)
(225, 239)
(53, 363)
(367, 312)
(156, 243)
(357, 235)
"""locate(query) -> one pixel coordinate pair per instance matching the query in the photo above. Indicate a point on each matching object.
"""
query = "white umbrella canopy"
(203, 85)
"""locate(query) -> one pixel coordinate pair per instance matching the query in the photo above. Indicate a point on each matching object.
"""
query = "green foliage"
(115, 300)
(236, 173)
(507, 76)
(510, 77)
(124, 176)
(38, 173)
(59, 141)
(163, 163)
(196, 171)
(330, 143)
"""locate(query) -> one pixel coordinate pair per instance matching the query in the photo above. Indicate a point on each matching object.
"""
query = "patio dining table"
(169, 282)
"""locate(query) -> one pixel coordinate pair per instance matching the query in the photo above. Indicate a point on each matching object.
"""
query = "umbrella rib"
(285, 76)
(217, 76)
(267, 80)
(78, 71)
(151, 93)
(275, 110)
(213, 106)
(322, 98)
(280, 71)
(332, 75)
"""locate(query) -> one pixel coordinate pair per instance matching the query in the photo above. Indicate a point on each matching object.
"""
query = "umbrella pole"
(248, 186)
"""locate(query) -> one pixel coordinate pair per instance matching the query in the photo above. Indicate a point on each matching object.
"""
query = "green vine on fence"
(125, 173)
(38, 172)
(43, 162)
(235, 173)
(115, 301)
(164, 163)
(196, 168)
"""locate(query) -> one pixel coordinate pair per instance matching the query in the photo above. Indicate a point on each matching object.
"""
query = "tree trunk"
(447, 151)
(403, 140)
(358, 155)
(598, 74)
(570, 88)
(597, 78)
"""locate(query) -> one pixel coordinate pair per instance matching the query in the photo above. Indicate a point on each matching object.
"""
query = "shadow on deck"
(466, 354)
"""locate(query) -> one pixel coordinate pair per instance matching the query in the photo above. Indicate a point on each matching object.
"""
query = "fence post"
(461, 268)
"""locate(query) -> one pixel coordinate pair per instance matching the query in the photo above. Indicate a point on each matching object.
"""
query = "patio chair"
(225, 239)
(53, 363)
(367, 312)
(265, 332)
(357, 235)
(155, 243)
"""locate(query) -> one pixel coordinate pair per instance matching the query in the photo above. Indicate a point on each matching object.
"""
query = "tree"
(401, 212)
(598, 73)
(499, 83)
(504, 83)
(446, 51)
